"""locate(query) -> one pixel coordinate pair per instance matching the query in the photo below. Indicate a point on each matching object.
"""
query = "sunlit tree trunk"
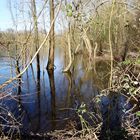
(69, 53)
(50, 64)
(36, 38)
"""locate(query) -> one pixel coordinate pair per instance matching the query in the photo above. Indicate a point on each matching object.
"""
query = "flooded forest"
(70, 70)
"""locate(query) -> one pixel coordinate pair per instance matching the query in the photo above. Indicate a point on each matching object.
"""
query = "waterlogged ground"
(47, 103)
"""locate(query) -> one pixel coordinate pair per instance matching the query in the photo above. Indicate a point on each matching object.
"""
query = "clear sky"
(6, 21)
(5, 16)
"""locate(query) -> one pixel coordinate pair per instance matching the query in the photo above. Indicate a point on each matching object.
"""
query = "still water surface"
(42, 104)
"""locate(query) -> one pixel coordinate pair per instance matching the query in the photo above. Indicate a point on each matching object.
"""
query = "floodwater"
(47, 103)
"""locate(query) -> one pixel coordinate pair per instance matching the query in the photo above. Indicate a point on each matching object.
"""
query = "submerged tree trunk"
(50, 64)
(36, 38)
(19, 79)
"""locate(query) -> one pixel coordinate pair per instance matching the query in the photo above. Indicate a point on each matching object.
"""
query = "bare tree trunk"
(100, 48)
(87, 43)
(125, 51)
(94, 60)
(70, 54)
(36, 38)
(50, 64)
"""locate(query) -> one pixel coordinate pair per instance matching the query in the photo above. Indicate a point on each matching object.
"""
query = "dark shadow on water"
(53, 102)
(69, 90)
(38, 102)
(112, 111)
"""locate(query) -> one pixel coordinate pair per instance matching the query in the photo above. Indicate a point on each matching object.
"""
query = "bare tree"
(36, 37)
(50, 64)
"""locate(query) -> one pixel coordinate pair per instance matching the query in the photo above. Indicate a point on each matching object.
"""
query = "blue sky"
(6, 21)
(5, 17)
